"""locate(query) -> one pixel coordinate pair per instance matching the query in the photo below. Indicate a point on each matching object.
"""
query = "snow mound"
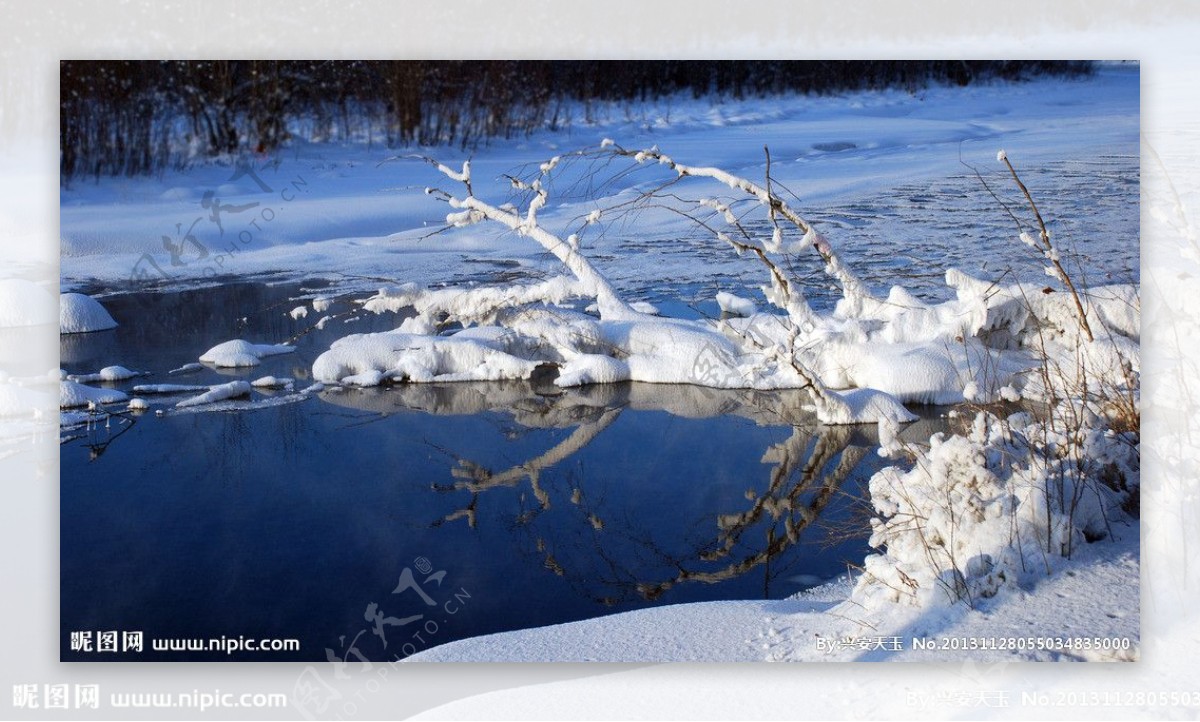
(471, 355)
(270, 382)
(17, 401)
(239, 353)
(23, 303)
(78, 313)
(108, 373)
(72, 394)
(231, 390)
(865, 406)
(138, 405)
(735, 305)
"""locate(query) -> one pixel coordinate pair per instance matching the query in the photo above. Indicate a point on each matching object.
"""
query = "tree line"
(130, 117)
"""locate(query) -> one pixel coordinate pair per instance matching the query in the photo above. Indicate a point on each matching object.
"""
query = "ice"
(146, 389)
(187, 368)
(231, 390)
(72, 394)
(138, 405)
(78, 313)
(239, 353)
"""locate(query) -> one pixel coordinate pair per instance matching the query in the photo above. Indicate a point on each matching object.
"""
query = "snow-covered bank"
(1089, 604)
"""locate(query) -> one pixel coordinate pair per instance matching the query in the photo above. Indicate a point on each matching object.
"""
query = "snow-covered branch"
(853, 289)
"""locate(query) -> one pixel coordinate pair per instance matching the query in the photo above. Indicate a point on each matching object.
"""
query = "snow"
(270, 382)
(867, 406)
(72, 394)
(78, 313)
(20, 401)
(982, 498)
(138, 405)
(473, 355)
(239, 353)
(24, 303)
(350, 217)
(108, 373)
(1088, 597)
(167, 388)
(221, 392)
(735, 305)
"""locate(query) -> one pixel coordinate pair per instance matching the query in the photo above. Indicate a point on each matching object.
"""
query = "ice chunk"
(78, 313)
(145, 389)
(238, 353)
(231, 390)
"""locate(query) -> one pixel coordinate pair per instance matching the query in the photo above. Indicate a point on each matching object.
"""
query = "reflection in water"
(287, 519)
(607, 551)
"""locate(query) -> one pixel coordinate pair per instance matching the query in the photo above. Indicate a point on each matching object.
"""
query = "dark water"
(288, 518)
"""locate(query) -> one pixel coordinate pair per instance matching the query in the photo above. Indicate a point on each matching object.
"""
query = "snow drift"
(78, 313)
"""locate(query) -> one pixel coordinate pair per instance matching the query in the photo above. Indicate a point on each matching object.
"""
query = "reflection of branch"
(477, 479)
(780, 501)
(97, 448)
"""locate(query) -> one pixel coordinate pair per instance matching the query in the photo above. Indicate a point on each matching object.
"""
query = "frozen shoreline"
(1090, 597)
(335, 211)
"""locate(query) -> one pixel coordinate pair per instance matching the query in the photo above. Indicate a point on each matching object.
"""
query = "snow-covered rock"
(270, 382)
(78, 313)
(72, 394)
(239, 353)
(108, 373)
